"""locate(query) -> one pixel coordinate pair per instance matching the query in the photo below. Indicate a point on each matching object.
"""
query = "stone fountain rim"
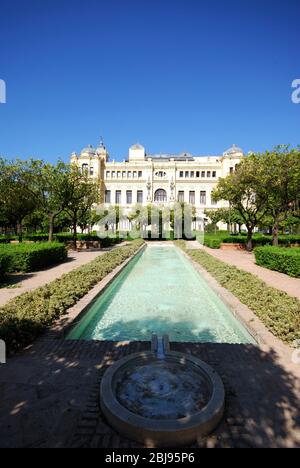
(202, 422)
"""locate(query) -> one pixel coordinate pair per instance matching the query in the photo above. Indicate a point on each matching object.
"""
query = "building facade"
(160, 179)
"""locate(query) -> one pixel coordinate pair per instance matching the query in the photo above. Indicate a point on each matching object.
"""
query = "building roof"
(167, 157)
(234, 149)
(137, 146)
(89, 149)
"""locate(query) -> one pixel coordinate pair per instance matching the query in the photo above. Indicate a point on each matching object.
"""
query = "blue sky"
(174, 75)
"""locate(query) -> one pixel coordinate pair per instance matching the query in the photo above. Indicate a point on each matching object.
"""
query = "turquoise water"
(160, 292)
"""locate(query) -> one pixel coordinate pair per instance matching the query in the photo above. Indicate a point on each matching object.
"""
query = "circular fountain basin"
(162, 402)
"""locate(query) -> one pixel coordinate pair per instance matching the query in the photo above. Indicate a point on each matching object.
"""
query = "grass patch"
(24, 318)
(276, 309)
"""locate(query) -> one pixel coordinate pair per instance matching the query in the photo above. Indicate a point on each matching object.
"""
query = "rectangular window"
(231, 170)
(129, 174)
(139, 197)
(85, 167)
(107, 196)
(119, 175)
(186, 174)
(140, 174)
(181, 174)
(113, 174)
(198, 174)
(192, 174)
(208, 173)
(214, 173)
(91, 171)
(124, 174)
(108, 174)
(202, 198)
(203, 174)
(181, 196)
(192, 198)
(118, 197)
(129, 197)
(213, 202)
(134, 174)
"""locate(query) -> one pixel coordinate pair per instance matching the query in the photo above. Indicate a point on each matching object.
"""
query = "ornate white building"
(157, 178)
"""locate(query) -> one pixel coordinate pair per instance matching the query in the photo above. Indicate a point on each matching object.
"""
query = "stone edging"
(64, 324)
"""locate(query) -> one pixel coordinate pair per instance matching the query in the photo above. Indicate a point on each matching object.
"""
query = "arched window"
(160, 196)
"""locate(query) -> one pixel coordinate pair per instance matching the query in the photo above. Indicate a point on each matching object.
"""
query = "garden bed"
(279, 312)
(24, 318)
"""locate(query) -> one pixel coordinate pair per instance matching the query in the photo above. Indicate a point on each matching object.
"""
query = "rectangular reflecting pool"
(160, 292)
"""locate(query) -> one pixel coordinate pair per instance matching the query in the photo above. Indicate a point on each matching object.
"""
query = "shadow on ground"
(49, 396)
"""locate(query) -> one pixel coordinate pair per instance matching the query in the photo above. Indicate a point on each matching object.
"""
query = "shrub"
(24, 318)
(285, 260)
(29, 257)
(4, 264)
(212, 243)
(276, 309)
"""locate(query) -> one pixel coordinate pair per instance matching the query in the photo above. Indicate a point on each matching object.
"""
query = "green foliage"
(30, 257)
(278, 311)
(18, 191)
(4, 264)
(264, 188)
(212, 243)
(257, 240)
(24, 318)
(279, 259)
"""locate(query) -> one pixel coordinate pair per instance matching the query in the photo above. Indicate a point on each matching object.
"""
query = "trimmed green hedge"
(276, 309)
(212, 243)
(24, 318)
(4, 264)
(280, 259)
(258, 239)
(29, 257)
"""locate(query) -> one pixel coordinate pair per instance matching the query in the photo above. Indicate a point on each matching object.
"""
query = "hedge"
(24, 318)
(30, 257)
(280, 259)
(4, 264)
(258, 240)
(212, 243)
(277, 310)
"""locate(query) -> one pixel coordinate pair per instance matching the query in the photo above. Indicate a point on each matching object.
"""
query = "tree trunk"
(240, 229)
(20, 231)
(275, 233)
(75, 232)
(249, 244)
(51, 228)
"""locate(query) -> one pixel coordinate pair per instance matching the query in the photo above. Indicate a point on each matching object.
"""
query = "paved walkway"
(49, 396)
(20, 283)
(246, 261)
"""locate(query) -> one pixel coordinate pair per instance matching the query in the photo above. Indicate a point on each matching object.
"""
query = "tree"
(229, 216)
(18, 191)
(281, 169)
(81, 194)
(88, 219)
(246, 192)
(54, 193)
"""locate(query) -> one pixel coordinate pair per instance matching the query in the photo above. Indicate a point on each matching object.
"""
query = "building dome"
(233, 150)
(89, 149)
(137, 146)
